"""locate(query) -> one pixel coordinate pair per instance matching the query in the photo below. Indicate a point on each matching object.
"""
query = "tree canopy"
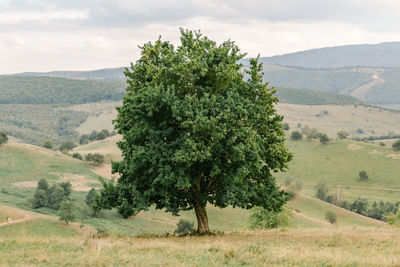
(3, 138)
(196, 132)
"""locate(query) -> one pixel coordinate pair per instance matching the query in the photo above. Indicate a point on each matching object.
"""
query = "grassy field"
(107, 147)
(49, 243)
(330, 119)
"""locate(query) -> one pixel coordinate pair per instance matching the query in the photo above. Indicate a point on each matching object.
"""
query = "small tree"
(48, 144)
(324, 139)
(77, 156)
(93, 135)
(296, 135)
(322, 190)
(3, 138)
(96, 158)
(66, 212)
(363, 175)
(84, 139)
(396, 145)
(67, 145)
(331, 217)
(342, 135)
(43, 185)
(56, 196)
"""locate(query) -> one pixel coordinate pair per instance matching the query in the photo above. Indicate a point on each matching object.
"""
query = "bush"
(48, 144)
(396, 145)
(363, 175)
(296, 136)
(3, 138)
(67, 145)
(96, 158)
(84, 139)
(261, 218)
(342, 135)
(77, 156)
(324, 139)
(285, 127)
(382, 143)
(330, 217)
(322, 190)
(360, 131)
(184, 227)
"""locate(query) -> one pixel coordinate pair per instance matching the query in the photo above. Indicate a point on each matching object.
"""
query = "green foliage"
(363, 175)
(67, 145)
(50, 90)
(285, 127)
(184, 227)
(96, 158)
(296, 135)
(331, 217)
(324, 139)
(77, 156)
(84, 139)
(51, 197)
(195, 132)
(342, 135)
(312, 97)
(66, 212)
(396, 145)
(360, 206)
(3, 138)
(321, 190)
(261, 218)
(91, 200)
(48, 144)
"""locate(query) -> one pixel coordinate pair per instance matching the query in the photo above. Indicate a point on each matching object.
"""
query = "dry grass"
(328, 246)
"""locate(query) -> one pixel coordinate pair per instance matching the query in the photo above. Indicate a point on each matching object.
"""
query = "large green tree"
(197, 128)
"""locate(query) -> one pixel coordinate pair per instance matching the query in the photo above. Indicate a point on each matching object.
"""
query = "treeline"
(378, 210)
(94, 135)
(51, 90)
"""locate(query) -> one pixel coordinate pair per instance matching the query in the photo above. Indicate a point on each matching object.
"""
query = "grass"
(48, 243)
(331, 119)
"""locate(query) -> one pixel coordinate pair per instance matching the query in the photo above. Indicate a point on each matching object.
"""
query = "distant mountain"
(109, 74)
(383, 55)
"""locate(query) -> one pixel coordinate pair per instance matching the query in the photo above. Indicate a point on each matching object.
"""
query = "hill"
(50, 90)
(383, 55)
(312, 97)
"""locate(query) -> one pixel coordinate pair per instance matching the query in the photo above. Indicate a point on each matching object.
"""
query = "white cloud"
(18, 17)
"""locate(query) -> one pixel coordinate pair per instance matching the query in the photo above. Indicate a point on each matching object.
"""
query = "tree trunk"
(202, 219)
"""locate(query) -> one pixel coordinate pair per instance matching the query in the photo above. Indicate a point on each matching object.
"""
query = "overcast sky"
(46, 35)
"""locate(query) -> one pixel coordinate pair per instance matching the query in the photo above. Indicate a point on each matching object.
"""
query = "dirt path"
(310, 218)
(361, 92)
(364, 187)
(26, 219)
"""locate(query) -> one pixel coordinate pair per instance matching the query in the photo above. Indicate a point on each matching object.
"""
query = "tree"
(96, 158)
(285, 127)
(322, 190)
(39, 199)
(330, 217)
(66, 212)
(342, 135)
(84, 139)
(43, 185)
(93, 135)
(48, 144)
(56, 196)
(396, 145)
(3, 138)
(324, 139)
(67, 145)
(296, 136)
(363, 175)
(195, 132)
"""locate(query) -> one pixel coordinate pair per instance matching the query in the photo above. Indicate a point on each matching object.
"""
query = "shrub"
(322, 190)
(67, 145)
(184, 227)
(3, 138)
(39, 199)
(96, 158)
(296, 136)
(48, 144)
(285, 127)
(360, 131)
(363, 175)
(382, 143)
(287, 181)
(77, 156)
(396, 145)
(324, 139)
(84, 139)
(330, 217)
(342, 135)
(262, 218)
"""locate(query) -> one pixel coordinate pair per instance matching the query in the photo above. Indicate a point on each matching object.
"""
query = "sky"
(48, 35)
